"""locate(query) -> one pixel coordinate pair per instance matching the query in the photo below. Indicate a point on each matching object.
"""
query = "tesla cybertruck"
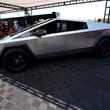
(51, 37)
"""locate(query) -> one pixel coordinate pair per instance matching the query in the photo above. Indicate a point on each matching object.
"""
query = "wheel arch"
(23, 46)
(100, 46)
(100, 38)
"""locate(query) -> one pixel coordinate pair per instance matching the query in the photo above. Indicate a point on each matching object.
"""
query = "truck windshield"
(29, 27)
(5, 31)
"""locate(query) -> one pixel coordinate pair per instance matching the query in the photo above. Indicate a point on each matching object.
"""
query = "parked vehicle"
(53, 37)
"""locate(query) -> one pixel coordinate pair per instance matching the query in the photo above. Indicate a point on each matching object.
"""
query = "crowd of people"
(7, 28)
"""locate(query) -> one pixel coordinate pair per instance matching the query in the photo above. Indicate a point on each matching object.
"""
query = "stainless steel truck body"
(51, 37)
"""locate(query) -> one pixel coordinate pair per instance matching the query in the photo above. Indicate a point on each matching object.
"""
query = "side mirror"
(40, 32)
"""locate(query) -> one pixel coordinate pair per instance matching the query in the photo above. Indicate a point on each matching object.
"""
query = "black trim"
(63, 53)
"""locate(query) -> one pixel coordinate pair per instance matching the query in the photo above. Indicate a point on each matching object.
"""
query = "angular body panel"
(60, 36)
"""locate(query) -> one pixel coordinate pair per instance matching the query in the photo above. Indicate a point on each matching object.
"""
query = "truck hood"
(7, 38)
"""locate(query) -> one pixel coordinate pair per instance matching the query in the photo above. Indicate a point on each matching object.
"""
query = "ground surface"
(70, 82)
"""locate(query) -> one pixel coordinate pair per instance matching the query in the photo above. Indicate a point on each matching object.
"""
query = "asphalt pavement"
(73, 82)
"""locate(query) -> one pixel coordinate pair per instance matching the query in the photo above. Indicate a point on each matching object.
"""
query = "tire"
(103, 48)
(15, 60)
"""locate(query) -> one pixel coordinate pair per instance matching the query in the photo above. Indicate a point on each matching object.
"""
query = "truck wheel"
(103, 48)
(15, 60)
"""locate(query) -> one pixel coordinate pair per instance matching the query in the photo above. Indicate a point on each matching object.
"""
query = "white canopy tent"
(29, 3)
(42, 4)
(38, 4)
